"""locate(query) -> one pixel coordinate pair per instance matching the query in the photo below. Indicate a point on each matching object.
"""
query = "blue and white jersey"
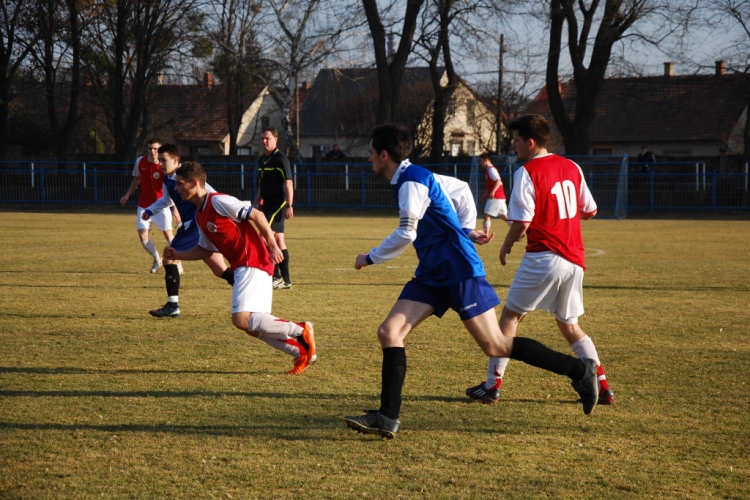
(170, 197)
(429, 221)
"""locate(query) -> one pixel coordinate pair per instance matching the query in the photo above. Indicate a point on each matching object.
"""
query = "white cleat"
(155, 267)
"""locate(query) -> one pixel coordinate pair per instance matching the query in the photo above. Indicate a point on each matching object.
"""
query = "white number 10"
(567, 201)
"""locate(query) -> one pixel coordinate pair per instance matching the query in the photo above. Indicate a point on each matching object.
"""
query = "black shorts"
(274, 212)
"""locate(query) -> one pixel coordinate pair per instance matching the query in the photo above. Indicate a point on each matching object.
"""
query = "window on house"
(243, 151)
(455, 148)
(471, 116)
(470, 147)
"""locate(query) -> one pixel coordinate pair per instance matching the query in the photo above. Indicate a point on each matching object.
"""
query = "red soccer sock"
(603, 384)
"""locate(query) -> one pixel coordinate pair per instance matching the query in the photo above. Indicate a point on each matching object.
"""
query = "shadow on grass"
(64, 370)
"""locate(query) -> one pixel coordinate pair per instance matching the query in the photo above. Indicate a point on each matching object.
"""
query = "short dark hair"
(171, 150)
(394, 139)
(192, 170)
(273, 131)
(152, 141)
(531, 127)
(485, 156)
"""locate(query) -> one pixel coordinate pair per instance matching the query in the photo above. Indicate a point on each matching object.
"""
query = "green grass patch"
(98, 399)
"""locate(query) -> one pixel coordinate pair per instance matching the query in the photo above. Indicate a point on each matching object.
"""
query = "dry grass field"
(100, 400)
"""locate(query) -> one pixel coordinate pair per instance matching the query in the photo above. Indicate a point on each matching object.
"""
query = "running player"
(549, 199)
(224, 224)
(494, 205)
(148, 175)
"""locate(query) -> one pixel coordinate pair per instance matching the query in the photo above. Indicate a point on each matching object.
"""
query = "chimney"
(160, 79)
(668, 69)
(720, 67)
(390, 49)
(208, 79)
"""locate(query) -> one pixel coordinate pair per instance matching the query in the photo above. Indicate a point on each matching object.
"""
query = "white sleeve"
(522, 203)
(164, 201)
(460, 195)
(231, 207)
(136, 172)
(586, 203)
(494, 174)
(204, 242)
(413, 201)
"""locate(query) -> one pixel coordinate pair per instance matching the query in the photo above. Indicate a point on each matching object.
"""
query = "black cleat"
(170, 310)
(486, 396)
(588, 386)
(374, 423)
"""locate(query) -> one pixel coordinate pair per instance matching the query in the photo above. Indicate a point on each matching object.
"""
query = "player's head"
(269, 139)
(485, 160)
(531, 127)
(152, 148)
(169, 158)
(393, 139)
(192, 170)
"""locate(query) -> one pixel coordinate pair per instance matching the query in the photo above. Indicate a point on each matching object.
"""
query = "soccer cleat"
(307, 354)
(373, 422)
(155, 267)
(277, 282)
(283, 286)
(170, 310)
(486, 396)
(588, 386)
(179, 268)
(606, 397)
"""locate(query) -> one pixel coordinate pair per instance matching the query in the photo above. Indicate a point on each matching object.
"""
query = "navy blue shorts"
(186, 237)
(469, 298)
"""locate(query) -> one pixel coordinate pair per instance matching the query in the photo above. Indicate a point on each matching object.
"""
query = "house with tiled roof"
(340, 108)
(195, 118)
(675, 116)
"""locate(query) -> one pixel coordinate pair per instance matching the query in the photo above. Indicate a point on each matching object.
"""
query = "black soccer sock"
(394, 373)
(284, 266)
(172, 279)
(537, 354)
(228, 275)
(276, 273)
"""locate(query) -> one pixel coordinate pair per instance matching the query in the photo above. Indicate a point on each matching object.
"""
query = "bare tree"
(614, 18)
(15, 47)
(59, 26)
(126, 49)
(390, 72)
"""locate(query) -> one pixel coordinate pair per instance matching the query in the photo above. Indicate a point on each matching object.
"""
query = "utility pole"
(499, 117)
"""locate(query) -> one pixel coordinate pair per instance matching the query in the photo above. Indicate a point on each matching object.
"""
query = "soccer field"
(98, 399)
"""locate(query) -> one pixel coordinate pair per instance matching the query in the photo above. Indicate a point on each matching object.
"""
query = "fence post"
(747, 164)
(309, 188)
(346, 177)
(651, 191)
(704, 174)
(697, 178)
(96, 188)
(32, 174)
(713, 194)
(84, 175)
(242, 176)
(41, 184)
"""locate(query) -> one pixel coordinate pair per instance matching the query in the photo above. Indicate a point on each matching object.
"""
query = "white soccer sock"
(148, 245)
(585, 348)
(486, 226)
(268, 323)
(495, 371)
(282, 342)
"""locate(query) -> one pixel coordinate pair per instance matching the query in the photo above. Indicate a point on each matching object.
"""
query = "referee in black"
(276, 193)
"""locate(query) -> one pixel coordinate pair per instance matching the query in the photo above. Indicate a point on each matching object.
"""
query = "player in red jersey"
(549, 199)
(495, 205)
(225, 226)
(148, 175)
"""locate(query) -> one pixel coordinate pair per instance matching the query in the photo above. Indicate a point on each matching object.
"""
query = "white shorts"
(253, 291)
(549, 282)
(162, 219)
(495, 207)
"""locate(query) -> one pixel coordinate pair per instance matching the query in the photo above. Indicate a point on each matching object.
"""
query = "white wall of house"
(263, 112)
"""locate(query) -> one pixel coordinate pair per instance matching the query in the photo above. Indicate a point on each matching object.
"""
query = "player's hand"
(145, 216)
(481, 237)
(124, 200)
(276, 255)
(289, 212)
(169, 252)
(361, 261)
(504, 250)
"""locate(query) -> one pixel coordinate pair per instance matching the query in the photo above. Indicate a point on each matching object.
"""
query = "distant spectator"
(646, 161)
(335, 153)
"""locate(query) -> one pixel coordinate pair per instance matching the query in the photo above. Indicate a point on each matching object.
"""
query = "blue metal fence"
(354, 185)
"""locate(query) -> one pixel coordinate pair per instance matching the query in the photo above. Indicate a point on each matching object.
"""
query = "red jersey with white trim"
(152, 180)
(550, 192)
(491, 175)
(224, 227)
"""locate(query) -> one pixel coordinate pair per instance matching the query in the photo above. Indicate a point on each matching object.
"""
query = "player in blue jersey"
(185, 238)
(450, 275)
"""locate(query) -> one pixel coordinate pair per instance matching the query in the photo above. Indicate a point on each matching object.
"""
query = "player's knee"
(387, 335)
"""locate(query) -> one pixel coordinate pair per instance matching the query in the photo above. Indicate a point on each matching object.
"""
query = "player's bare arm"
(195, 253)
(289, 193)
(266, 233)
(589, 215)
(517, 229)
